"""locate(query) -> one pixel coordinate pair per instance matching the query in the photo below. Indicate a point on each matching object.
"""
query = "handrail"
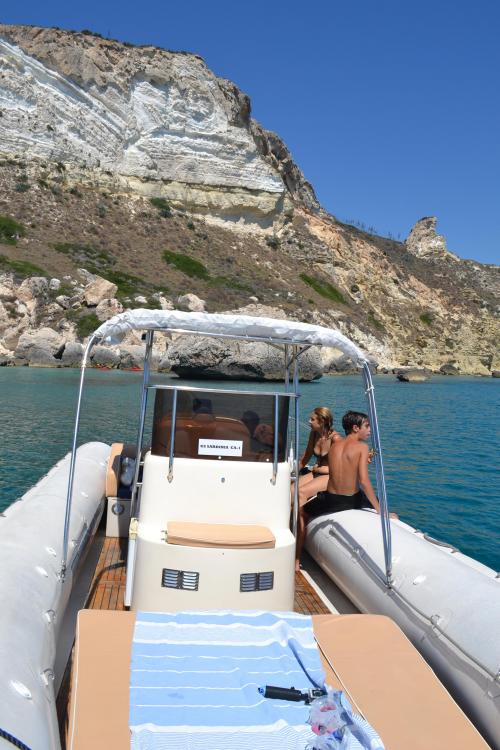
(142, 416)
(197, 389)
(295, 513)
(379, 471)
(172, 439)
(275, 447)
(69, 494)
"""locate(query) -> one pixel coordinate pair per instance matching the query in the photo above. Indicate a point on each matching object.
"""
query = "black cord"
(13, 740)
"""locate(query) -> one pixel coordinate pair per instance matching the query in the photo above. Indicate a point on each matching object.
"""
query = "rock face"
(214, 358)
(42, 348)
(412, 376)
(147, 116)
(424, 242)
(112, 155)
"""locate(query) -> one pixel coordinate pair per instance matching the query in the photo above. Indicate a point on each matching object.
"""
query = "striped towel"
(195, 679)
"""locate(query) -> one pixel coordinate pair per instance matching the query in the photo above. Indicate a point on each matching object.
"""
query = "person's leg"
(304, 480)
(318, 484)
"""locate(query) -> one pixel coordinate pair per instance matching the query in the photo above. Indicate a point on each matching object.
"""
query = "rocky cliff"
(133, 176)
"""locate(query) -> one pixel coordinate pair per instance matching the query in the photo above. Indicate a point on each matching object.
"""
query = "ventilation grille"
(180, 579)
(256, 581)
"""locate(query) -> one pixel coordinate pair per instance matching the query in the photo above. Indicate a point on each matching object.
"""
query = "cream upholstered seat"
(241, 536)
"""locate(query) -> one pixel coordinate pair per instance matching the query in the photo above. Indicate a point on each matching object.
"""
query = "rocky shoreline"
(42, 321)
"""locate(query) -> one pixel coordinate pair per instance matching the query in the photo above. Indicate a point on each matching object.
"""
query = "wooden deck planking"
(108, 586)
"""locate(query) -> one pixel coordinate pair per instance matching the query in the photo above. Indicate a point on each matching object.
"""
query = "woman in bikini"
(321, 438)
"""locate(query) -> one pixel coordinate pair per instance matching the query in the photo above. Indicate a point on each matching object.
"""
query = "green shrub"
(162, 206)
(22, 187)
(127, 283)
(190, 225)
(426, 318)
(231, 283)
(87, 324)
(10, 230)
(323, 288)
(96, 260)
(273, 242)
(21, 267)
(187, 265)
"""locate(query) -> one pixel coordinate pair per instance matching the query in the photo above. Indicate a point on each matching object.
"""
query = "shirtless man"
(348, 461)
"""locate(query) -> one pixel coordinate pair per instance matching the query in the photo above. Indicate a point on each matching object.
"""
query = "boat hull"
(34, 597)
(447, 604)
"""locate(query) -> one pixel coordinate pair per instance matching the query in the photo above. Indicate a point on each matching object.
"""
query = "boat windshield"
(211, 425)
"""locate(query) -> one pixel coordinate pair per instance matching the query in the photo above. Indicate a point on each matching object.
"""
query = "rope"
(13, 740)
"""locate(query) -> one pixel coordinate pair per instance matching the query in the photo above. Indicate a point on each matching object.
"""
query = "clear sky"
(390, 107)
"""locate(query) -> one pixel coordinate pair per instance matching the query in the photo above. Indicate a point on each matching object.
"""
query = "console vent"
(257, 581)
(180, 579)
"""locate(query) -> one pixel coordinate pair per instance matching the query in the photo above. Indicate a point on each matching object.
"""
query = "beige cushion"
(381, 671)
(113, 472)
(219, 535)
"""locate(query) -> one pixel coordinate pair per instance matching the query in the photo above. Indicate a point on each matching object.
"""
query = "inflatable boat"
(205, 524)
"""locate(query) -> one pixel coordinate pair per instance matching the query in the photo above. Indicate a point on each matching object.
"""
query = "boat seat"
(117, 453)
(233, 536)
(382, 673)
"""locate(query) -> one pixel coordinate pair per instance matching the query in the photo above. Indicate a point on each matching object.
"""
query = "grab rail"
(379, 471)
(69, 494)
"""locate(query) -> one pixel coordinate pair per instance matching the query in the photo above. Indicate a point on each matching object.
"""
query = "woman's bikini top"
(321, 458)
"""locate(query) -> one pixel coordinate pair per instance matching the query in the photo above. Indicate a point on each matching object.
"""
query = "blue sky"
(390, 107)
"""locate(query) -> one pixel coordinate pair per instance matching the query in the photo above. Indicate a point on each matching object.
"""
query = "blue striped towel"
(195, 679)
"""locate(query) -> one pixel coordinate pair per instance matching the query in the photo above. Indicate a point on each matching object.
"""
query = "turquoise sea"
(440, 439)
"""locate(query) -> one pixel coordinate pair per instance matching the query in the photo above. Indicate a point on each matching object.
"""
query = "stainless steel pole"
(142, 417)
(295, 514)
(69, 494)
(276, 436)
(379, 471)
(172, 439)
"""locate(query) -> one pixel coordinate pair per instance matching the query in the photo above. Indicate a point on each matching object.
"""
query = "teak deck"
(108, 586)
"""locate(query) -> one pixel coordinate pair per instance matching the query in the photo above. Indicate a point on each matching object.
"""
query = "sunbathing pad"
(241, 536)
(195, 679)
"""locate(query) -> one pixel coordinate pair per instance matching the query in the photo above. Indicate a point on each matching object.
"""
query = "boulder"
(54, 285)
(87, 277)
(234, 360)
(99, 290)
(449, 369)
(42, 348)
(7, 290)
(132, 356)
(34, 288)
(140, 299)
(63, 301)
(191, 302)
(103, 356)
(412, 376)
(72, 354)
(107, 308)
(495, 373)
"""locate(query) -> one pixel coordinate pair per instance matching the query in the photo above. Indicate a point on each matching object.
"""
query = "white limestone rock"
(107, 308)
(72, 354)
(424, 242)
(191, 302)
(99, 290)
(54, 285)
(104, 356)
(40, 348)
(32, 289)
(214, 358)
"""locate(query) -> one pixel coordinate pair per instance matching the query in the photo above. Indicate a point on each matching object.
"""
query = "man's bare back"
(348, 461)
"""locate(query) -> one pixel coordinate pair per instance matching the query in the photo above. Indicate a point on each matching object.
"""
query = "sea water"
(440, 439)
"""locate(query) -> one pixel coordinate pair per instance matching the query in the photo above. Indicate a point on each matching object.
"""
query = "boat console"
(212, 509)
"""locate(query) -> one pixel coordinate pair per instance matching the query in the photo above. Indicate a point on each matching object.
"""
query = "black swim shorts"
(326, 502)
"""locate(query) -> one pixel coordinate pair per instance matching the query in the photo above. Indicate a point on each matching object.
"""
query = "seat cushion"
(241, 536)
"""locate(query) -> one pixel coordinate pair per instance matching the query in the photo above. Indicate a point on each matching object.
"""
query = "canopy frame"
(298, 347)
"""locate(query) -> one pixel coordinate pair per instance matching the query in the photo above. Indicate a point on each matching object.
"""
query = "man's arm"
(364, 478)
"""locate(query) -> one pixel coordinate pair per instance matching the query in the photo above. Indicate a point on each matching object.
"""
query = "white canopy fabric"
(217, 324)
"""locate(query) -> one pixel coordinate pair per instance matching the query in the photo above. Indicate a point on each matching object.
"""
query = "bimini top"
(267, 330)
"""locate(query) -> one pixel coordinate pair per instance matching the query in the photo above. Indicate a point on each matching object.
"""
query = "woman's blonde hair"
(325, 417)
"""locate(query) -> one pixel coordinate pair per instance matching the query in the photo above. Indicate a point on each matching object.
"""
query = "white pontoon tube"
(281, 333)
